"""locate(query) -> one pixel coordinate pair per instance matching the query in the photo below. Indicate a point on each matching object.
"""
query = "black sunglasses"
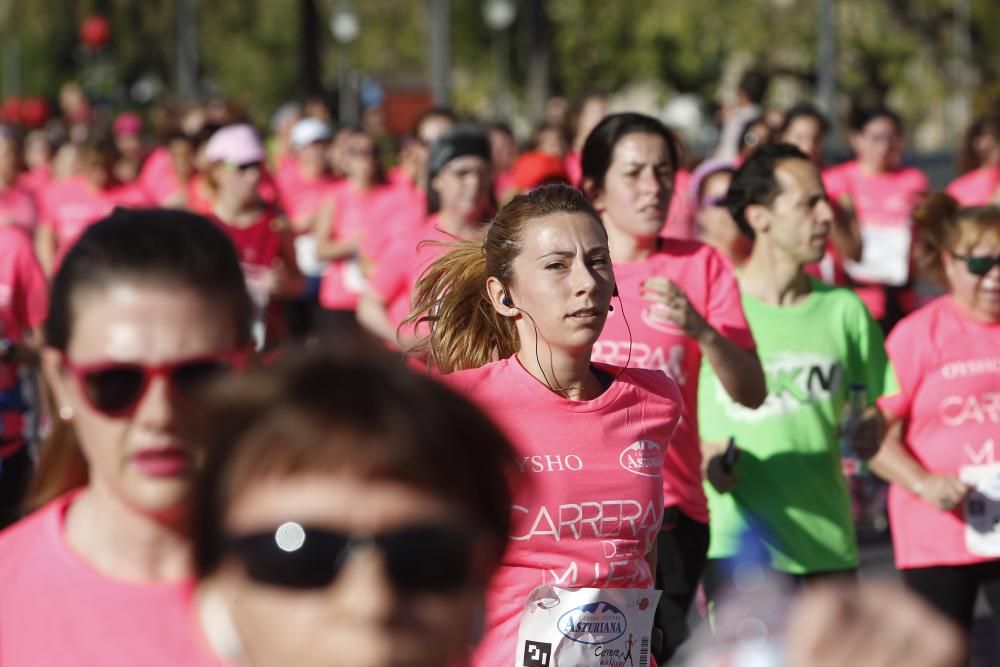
(419, 559)
(978, 265)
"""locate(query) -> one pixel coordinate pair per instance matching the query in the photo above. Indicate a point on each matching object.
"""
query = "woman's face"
(137, 457)
(359, 158)
(637, 186)
(182, 158)
(360, 617)
(562, 284)
(806, 134)
(238, 182)
(463, 187)
(978, 295)
(716, 225)
(878, 146)
(37, 151)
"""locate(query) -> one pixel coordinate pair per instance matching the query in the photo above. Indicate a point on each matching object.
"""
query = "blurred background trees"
(933, 59)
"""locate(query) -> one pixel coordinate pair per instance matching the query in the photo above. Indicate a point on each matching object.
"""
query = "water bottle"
(857, 401)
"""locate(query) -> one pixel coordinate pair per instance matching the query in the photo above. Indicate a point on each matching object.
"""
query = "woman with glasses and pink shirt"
(258, 229)
(146, 307)
(944, 502)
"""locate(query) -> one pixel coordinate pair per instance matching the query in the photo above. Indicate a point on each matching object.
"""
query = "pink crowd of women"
(211, 453)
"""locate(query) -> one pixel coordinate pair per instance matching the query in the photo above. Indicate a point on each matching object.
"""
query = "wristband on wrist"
(917, 488)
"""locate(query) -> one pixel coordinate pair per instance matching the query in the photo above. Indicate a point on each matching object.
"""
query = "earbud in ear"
(615, 293)
(506, 300)
(611, 309)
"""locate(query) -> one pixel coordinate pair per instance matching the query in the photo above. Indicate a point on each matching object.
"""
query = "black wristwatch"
(7, 349)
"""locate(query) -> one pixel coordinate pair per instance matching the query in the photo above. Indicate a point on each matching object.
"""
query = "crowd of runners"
(323, 396)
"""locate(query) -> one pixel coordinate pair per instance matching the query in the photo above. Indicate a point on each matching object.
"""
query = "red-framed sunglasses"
(115, 388)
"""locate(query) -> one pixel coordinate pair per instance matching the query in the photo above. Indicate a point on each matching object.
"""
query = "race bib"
(305, 255)
(885, 256)
(354, 279)
(586, 627)
(982, 510)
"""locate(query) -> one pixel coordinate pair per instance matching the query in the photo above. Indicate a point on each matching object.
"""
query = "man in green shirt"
(786, 488)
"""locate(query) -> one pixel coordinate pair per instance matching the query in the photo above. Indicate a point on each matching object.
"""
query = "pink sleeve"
(834, 182)
(32, 295)
(724, 308)
(389, 279)
(905, 360)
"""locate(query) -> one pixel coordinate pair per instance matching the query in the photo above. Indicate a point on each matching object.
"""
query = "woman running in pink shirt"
(514, 320)
(679, 305)
(145, 308)
(944, 502)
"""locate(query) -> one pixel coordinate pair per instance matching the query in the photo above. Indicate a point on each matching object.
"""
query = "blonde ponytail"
(466, 331)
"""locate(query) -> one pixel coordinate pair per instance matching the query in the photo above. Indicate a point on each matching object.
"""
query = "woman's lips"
(161, 462)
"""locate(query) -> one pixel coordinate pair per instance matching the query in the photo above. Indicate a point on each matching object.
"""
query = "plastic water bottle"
(857, 401)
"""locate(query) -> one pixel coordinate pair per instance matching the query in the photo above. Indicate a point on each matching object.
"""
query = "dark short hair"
(167, 246)
(754, 85)
(860, 117)
(599, 148)
(755, 183)
(804, 110)
(354, 410)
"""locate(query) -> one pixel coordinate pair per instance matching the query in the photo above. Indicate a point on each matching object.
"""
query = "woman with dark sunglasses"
(146, 306)
(349, 513)
(944, 502)
(260, 231)
(679, 305)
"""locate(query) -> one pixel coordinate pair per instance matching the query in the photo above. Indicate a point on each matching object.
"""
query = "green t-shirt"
(791, 488)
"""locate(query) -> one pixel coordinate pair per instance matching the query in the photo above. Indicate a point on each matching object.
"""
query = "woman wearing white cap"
(259, 231)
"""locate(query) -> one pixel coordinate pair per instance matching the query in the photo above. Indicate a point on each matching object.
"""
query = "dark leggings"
(15, 474)
(952, 589)
(681, 551)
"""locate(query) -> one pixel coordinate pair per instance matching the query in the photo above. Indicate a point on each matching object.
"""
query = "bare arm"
(845, 234)
(373, 316)
(739, 370)
(45, 248)
(327, 247)
(894, 464)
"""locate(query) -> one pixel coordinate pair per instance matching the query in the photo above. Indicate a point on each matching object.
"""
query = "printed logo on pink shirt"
(595, 623)
(637, 354)
(643, 458)
(970, 368)
(980, 409)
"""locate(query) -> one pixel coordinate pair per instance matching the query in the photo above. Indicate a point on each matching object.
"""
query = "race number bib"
(354, 279)
(305, 255)
(982, 510)
(885, 255)
(586, 627)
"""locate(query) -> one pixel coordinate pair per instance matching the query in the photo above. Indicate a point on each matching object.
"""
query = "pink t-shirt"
(355, 212)
(709, 282)
(573, 163)
(587, 501)
(70, 206)
(17, 208)
(975, 188)
(57, 610)
(680, 217)
(157, 176)
(948, 368)
(301, 197)
(24, 303)
(399, 268)
(35, 180)
(882, 203)
(407, 216)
